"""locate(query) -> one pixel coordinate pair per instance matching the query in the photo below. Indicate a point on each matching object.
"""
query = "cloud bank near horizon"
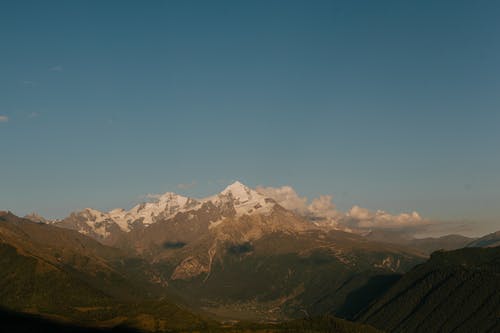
(323, 209)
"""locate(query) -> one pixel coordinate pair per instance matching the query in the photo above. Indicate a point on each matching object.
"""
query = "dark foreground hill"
(11, 321)
(456, 291)
(27, 323)
(61, 274)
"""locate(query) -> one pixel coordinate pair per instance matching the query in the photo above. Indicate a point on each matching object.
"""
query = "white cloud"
(323, 208)
(4, 119)
(152, 196)
(359, 213)
(363, 218)
(29, 83)
(186, 186)
(57, 68)
(286, 197)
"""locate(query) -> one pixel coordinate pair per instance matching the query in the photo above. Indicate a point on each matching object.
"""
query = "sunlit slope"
(64, 275)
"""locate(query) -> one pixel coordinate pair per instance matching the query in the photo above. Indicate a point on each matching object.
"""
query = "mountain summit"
(238, 190)
(235, 200)
(243, 199)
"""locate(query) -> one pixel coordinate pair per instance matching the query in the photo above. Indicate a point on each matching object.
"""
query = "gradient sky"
(390, 105)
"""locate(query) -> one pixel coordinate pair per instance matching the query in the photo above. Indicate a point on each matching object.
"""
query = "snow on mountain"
(96, 222)
(237, 199)
(167, 205)
(244, 200)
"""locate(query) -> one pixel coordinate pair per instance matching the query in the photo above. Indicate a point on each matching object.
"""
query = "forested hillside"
(456, 291)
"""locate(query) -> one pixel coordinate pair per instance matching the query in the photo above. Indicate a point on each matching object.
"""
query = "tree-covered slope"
(456, 291)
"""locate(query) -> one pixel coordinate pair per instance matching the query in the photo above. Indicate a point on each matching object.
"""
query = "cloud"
(465, 227)
(362, 218)
(32, 115)
(4, 119)
(186, 186)
(29, 83)
(151, 196)
(323, 209)
(286, 197)
(57, 68)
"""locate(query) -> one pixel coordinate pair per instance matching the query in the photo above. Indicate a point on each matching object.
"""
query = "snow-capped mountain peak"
(165, 206)
(243, 198)
(172, 199)
(235, 200)
(239, 192)
(93, 212)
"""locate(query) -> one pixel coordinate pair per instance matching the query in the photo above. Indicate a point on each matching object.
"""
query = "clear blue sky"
(391, 105)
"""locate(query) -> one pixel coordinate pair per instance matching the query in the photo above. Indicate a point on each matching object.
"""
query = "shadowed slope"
(456, 291)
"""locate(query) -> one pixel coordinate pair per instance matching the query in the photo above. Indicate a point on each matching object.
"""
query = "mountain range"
(236, 257)
(239, 254)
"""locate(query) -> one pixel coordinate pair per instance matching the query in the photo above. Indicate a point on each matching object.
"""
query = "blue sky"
(390, 105)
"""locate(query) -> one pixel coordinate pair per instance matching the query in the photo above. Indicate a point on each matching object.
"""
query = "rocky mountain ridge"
(235, 200)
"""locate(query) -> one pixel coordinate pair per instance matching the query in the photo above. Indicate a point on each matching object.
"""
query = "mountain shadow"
(359, 299)
(173, 245)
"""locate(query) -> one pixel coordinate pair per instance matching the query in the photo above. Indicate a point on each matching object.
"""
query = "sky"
(391, 105)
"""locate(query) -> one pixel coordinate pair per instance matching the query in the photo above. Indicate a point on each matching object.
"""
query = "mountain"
(234, 256)
(240, 255)
(490, 240)
(64, 275)
(58, 280)
(280, 274)
(237, 214)
(455, 291)
(34, 217)
(425, 245)
(108, 227)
